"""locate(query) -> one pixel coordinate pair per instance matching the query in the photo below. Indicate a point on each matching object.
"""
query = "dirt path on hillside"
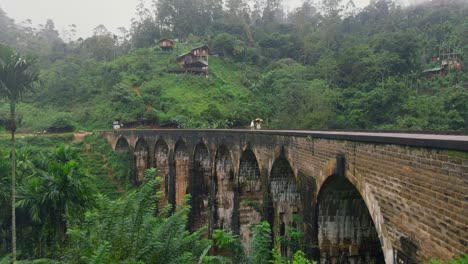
(137, 90)
(79, 136)
(110, 174)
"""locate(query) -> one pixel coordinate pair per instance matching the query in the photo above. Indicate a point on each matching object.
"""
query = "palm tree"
(17, 76)
(57, 190)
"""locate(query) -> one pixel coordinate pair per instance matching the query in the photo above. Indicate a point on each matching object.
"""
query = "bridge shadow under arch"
(124, 152)
(141, 160)
(346, 232)
(161, 155)
(226, 198)
(284, 205)
(122, 145)
(200, 187)
(250, 196)
(180, 167)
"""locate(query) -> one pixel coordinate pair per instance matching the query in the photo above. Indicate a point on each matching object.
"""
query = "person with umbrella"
(258, 121)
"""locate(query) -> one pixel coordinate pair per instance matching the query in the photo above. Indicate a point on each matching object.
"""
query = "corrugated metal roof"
(184, 54)
(204, 46)
(434, 69)
(166, 39)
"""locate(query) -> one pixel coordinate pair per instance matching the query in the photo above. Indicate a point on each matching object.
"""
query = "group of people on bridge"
(255, 124)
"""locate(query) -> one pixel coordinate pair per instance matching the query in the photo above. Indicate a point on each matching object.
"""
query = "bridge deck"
(455, 142)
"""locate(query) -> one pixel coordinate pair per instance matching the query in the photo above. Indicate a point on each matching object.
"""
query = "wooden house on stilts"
(166, 44)
(194, 61)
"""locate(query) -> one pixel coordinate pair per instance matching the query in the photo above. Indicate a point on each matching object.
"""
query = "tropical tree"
(17, 76)
(130, 231)
(4, 198)
(57, 192)
(260, 247)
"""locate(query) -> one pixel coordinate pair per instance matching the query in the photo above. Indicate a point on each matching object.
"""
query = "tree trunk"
(13, 180)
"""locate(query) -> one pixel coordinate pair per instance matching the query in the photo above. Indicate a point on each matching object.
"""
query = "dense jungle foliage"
(75, 204)
(326, 64)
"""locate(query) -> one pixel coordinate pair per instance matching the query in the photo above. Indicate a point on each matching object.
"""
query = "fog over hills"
(87, 14)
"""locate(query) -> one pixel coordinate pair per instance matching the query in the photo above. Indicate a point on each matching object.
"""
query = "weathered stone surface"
(284, 199)
(413, 188)
(181, 160)
(345, 227)
(161, 155)
(200, 187)
(141, 158)
(251, 194)
(226, 200)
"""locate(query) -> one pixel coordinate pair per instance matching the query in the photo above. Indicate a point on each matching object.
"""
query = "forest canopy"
(326, 63)
(323, 65)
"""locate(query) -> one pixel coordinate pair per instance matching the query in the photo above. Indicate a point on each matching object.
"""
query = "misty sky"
(87, 14)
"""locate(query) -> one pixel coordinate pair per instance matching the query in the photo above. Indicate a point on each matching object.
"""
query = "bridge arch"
(161, 155)
(250, 195)
(284, 203)
(346, 227)
(141, 160)
(125, 153)
(122, 145)
(181, 175)
(200, 186)
(226, 196)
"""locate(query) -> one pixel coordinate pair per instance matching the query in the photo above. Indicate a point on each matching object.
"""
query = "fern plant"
(261, 243)
(230, 246)
(130, 231)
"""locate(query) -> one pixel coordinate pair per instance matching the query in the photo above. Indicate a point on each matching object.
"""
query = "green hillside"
(136, 87)
(316, 67)
(323, 65)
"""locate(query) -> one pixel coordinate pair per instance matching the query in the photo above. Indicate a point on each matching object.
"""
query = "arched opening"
(346, 232)
(122, 145)
(161, 154)
(181, 160)
(200, 186)
(226, 201)
(124, 171)
(141, 160)
(250, 196)
(284, 206)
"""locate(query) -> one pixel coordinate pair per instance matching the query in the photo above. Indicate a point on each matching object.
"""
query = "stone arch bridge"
(356, 197)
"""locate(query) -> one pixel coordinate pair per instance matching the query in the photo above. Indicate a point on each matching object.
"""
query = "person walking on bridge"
(258, 121)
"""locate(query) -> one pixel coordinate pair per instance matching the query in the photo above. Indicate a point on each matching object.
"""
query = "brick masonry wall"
(417, 196)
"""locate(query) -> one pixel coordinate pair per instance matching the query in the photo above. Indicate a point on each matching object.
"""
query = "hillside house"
(194, 61)
(434, 71)
(166, 44)
(448, 60)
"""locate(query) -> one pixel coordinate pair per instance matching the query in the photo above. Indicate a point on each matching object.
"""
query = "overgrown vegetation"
(457, 260)
(129, 231)
(325, 64)
(65, 219)
(69, 216)
(55, 182)
(321, 65)
(111, 169)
